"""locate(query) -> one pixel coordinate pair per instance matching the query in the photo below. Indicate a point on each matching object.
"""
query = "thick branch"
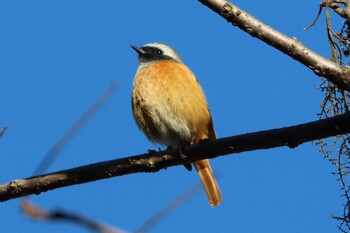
(339, 75)
(154, 161)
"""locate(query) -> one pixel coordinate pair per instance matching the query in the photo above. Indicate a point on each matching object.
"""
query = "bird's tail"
(209, 183)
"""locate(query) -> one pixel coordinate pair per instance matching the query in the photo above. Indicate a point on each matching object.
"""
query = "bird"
(170, 108)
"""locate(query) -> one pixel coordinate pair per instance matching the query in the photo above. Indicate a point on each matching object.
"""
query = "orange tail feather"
(209, 183)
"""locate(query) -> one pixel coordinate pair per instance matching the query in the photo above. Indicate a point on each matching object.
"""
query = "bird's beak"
(140, 51)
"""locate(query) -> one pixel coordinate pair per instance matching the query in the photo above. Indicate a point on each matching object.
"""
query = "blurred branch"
(3, 131)
(37, 213)
(166, 210)
(155, 161)
(75, 128)
(333, 72)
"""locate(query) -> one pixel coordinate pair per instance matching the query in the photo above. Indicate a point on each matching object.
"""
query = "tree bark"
(154, 161)
(333, 72)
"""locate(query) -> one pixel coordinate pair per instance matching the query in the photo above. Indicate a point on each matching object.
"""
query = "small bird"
(170, 108)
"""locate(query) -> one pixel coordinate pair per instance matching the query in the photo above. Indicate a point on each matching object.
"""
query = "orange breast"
(169, 105)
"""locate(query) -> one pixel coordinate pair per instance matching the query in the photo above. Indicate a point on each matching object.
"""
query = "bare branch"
(3, 131)
(154, 161)
(166, 210)
(330, 34)
(334, 4)
(75, 128)
(315, 20)
(333, 72)
(37, 213)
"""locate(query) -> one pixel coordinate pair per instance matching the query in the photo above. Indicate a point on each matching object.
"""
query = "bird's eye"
(159, 52)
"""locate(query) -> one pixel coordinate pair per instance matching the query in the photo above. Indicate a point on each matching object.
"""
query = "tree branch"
(334, 4)
(38, 213)
(3, 131)
(154, 161)
(333, 72)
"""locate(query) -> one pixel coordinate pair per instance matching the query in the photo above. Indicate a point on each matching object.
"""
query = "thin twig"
(166, 210)
(34, 212)
(330, 37)
(3, 131)
(314, 22)
(75, 128)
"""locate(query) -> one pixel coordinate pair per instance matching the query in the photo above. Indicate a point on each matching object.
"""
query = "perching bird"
(169, 106)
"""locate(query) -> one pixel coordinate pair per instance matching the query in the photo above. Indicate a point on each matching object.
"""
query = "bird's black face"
(149, 53)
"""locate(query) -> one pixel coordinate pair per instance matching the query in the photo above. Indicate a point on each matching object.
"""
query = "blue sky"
(56, 58)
